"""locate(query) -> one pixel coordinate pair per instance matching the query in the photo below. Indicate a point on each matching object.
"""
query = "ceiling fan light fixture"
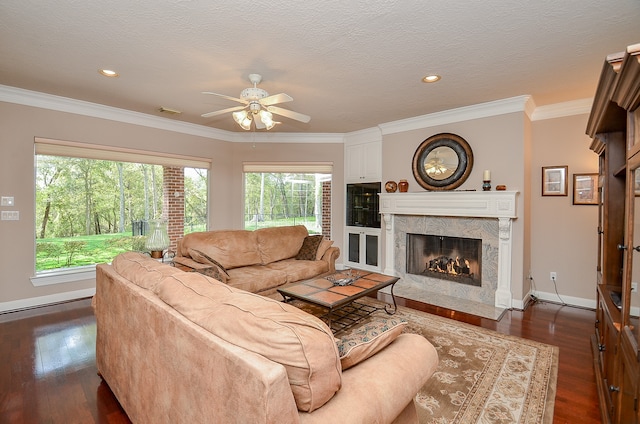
(246, 123)
(239, 116)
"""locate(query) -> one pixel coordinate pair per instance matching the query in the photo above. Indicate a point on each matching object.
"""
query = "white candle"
(487, 175)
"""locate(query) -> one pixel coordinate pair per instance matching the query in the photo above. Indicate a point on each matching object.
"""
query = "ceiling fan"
(257, 107)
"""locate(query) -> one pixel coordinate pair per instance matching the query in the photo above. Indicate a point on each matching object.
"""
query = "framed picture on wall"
(554, 181)
(585, 189)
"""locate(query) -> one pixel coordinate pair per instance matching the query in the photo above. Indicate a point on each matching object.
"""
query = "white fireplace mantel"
(500, 205)
(478, 204)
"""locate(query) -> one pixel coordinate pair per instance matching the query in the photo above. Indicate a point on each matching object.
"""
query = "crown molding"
(483, 110)
(467, 113)
(559, 110)
(363, 136)
(94, 110)
(286, 137)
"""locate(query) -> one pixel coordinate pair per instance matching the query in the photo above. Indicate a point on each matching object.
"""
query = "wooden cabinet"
(614, 125)
(363, 162)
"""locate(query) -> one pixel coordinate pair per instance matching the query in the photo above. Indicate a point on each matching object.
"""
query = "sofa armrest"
(331, 256)
(380, 388)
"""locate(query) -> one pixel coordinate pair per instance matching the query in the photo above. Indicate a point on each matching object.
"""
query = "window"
(288, 194)
(93, 203)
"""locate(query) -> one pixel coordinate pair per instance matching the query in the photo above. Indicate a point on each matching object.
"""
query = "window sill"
(61, 276)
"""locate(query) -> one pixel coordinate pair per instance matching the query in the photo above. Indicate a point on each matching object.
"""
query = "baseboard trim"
(32, 302)
(569, 300)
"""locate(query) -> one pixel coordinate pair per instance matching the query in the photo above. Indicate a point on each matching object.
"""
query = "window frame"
(282, 168)
(51, 147)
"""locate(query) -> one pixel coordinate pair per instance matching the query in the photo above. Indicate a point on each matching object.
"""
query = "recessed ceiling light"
(108, 73)
(431, 78)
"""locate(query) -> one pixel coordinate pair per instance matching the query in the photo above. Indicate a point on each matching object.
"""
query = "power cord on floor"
(532, 296)
(555, 287)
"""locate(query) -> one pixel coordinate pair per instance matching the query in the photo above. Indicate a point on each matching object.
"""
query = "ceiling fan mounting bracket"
(255, 79)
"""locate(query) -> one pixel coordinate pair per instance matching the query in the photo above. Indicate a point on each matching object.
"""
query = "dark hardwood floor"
(48, 372)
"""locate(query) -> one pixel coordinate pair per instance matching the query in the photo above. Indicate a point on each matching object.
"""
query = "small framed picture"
(585, 189)
(554, 181)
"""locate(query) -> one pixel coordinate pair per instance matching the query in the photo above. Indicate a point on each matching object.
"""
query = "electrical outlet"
(634, 287)
(7, 201)
(553, 276)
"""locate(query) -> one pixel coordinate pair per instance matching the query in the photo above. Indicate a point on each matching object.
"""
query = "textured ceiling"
(350, 65)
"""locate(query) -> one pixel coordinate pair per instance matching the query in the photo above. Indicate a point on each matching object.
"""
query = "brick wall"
(173, 205)
(326, 209)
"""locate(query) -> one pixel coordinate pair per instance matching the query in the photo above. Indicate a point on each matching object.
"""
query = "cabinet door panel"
(354, 247)
(371, 244)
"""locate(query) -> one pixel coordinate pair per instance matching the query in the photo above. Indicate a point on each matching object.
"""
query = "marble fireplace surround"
(484, 215)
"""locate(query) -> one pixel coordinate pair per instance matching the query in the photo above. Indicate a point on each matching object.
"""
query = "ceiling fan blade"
(289, 114)
(257, 121)
(223, 111)
(224, 96)
(275, 99)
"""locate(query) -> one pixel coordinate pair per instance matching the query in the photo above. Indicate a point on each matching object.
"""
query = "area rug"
(483, 376)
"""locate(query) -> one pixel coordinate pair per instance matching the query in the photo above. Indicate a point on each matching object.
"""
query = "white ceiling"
(350, 65)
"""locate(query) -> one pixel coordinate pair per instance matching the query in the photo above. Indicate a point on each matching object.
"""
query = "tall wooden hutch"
(614, 125)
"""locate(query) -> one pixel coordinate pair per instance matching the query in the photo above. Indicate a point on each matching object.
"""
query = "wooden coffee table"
(337, 303)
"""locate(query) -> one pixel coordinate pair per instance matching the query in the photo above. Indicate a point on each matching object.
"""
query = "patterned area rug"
(483, 376)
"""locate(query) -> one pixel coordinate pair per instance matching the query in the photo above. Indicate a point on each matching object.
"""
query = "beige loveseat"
(258, 261)
(180, 347)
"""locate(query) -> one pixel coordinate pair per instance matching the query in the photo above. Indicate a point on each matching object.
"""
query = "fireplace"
(457, 259)
(484, 216)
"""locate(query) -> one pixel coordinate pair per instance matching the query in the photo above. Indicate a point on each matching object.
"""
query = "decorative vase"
(390, 186)
(158, 239)
(403, 186)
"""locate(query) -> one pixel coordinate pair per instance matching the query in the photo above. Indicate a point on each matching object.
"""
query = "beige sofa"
(257, 261)
(180, 347)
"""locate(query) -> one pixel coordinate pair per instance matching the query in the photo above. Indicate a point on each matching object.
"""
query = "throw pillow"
(368, 340)
(309, 248)
(215, 272)
(325, 244)
(203, 258)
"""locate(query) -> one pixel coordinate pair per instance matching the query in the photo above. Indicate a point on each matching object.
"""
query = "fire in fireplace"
(448, 258)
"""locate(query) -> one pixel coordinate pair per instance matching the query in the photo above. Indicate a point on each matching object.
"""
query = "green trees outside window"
(87, 210)
(279, 199)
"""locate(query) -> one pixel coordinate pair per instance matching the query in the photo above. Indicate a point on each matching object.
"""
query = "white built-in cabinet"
(363, 248)
(363, 164)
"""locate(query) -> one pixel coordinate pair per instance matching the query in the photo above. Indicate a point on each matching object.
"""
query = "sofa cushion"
(309, 248)
(141, 270)
(302, 343)
(278, 243)
(368, 340)
(296, 270)
(231, 248)
(256, 278)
